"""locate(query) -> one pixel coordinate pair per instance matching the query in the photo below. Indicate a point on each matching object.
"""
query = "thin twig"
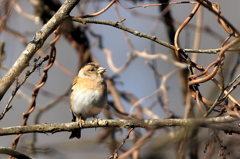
(115, 154)
(37, 64)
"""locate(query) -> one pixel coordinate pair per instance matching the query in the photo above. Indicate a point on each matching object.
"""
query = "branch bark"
(35, 44)
(220, 123)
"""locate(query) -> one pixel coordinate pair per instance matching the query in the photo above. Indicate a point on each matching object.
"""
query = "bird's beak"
(101, 70)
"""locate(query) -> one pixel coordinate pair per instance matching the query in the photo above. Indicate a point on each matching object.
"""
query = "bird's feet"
(80, 122)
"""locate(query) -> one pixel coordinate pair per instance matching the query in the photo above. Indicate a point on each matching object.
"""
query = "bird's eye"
(92, 69)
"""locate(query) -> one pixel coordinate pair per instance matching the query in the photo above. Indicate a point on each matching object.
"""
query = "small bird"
(89, 94)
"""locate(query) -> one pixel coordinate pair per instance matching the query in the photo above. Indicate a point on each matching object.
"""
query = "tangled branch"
(42, 81)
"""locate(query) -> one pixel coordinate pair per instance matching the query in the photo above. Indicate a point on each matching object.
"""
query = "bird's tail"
(75, 133)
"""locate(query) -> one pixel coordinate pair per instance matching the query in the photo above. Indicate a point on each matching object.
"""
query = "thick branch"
(36, 43)
(220, 123)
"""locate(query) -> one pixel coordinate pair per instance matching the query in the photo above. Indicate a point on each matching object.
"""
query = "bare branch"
(154, 123)
(143, 35)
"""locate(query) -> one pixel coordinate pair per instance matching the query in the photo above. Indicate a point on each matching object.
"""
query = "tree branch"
(219, 123)
(14, 153)
(143, 35)
(34, 45)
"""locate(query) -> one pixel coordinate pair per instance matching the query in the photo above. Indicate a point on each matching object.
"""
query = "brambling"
(89, 94)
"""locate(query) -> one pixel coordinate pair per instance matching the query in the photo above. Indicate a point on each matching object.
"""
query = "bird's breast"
(87, 103)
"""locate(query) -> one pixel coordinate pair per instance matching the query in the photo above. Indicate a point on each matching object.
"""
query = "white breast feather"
(88, 103)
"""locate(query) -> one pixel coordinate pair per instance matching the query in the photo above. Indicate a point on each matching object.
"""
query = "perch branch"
(225, 125)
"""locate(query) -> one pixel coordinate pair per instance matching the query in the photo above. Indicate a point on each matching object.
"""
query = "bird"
(88, 96)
